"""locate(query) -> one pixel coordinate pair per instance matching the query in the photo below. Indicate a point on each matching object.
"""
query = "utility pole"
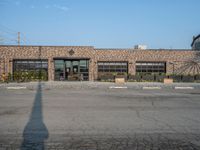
(18, 38)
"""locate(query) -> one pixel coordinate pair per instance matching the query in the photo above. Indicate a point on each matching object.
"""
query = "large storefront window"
(150, 67)
(72, 70)
(30, 69)
(112, 67)
(59, 69)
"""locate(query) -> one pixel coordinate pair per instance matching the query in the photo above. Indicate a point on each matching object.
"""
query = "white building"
(143, 47)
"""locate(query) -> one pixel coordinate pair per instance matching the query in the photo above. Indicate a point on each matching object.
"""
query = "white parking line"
(151, 88)
(16, 88)
(118, 87)
(179, 87)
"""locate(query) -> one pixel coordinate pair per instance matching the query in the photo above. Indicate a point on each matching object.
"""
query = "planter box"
(168, 81)
(119, 80)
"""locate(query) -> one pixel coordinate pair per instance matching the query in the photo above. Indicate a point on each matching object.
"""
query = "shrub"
(24, 76)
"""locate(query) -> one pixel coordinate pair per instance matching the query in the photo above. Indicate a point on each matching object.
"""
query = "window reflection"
(150, 67)
(71, 70)
(31, 67)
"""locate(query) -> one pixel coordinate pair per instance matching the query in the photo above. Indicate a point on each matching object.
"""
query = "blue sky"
(101, 23)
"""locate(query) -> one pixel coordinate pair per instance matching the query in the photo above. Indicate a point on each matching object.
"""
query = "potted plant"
(120, 77)
(168, 79)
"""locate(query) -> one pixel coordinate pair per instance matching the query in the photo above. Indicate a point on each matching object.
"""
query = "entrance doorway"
(71, 69)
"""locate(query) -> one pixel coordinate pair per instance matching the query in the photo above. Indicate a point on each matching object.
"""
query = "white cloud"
(63, 8)
(58, 7)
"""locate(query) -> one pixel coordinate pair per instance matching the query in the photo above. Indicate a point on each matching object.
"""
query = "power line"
(7, 35)
(10, 36)
(5, 32)
(24, 38)
(8, 29)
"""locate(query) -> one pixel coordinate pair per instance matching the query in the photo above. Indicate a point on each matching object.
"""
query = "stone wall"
(64, 52)
(8, 53)
(174, 59)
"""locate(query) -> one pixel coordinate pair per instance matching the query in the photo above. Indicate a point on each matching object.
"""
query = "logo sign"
(71, 52)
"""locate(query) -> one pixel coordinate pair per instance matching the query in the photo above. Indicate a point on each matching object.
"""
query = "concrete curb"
(151, 88)
(118, 87)
(16, 88)
(183, 88)
(101, 85)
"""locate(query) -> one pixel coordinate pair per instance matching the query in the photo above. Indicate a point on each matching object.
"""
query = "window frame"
(112, 66)
(149, 67)
(25, 65)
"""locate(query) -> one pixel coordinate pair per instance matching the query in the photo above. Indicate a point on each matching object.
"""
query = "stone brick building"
(88, 63)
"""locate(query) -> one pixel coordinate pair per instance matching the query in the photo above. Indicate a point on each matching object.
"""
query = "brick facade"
(9, 53)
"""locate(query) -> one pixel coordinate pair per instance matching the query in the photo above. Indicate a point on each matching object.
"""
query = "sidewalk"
(90, 85)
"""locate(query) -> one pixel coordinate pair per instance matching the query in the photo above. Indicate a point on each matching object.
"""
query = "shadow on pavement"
(35, 131)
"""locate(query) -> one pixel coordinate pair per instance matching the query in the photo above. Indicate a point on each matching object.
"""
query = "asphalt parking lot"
(99, 119)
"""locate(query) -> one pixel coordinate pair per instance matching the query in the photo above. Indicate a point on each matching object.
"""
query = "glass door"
(74, 71)
(75, 67)
(68, 69)
(71, 70)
